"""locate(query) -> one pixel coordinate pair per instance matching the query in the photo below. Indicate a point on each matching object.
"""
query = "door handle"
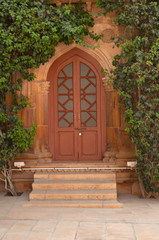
(80, 130)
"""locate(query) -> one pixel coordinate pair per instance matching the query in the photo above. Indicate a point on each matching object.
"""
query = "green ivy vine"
(136, 78)
(29, 32)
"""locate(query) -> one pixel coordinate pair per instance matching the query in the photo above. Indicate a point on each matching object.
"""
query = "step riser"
(77, 196)
(44, 186)
(77, 176)
(75, 205)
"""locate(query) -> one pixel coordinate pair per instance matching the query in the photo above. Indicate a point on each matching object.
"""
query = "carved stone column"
(112, 122)
(40, 90)
(119, 148)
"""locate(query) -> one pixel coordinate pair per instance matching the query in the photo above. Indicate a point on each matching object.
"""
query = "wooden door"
(89, 132)
(77, 111)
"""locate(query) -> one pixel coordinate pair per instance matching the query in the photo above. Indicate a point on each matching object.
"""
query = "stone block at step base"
(75, 203)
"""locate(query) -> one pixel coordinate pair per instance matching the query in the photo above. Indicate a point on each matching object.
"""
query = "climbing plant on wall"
(136, 77)
(29, 32)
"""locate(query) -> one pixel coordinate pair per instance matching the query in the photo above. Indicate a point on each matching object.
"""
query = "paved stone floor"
(138, 219)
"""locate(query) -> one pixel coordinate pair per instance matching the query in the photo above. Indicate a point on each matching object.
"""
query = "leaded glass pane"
(65, 96)
(88, 96)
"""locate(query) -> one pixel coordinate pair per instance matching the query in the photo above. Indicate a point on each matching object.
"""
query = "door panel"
(89, 146)
(66, 145)
(90, 117)
(65, 135)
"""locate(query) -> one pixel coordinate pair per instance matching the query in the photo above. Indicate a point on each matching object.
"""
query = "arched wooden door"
(75, 110)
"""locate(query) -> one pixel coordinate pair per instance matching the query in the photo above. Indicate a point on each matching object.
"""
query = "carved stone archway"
(100, 54)
(40, 89)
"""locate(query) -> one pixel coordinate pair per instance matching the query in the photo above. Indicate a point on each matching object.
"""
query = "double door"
(77, 114)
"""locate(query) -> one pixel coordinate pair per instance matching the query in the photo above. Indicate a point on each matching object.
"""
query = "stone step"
(75, 203)
(72, 164)
(76, 175)
(74, 188)
(75, 184)
(73, 194)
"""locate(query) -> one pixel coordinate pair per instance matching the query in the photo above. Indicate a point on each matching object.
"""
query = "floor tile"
(65, 229)
(147, 231)
(89, 230)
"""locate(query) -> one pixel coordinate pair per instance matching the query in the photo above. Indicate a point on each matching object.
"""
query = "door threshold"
(81, 161)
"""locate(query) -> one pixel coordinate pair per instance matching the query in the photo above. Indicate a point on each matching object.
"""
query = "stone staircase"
(74, 188)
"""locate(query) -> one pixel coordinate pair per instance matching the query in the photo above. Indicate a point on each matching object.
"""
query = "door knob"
(80, 130)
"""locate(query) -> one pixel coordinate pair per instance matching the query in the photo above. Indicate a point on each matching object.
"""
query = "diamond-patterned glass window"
(88, 96)
(65, 96)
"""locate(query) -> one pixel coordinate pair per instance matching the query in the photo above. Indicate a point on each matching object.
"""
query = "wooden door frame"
(55, 67)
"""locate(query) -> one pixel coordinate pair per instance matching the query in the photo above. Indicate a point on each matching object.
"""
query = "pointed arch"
(102, 56)
(98, 136)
